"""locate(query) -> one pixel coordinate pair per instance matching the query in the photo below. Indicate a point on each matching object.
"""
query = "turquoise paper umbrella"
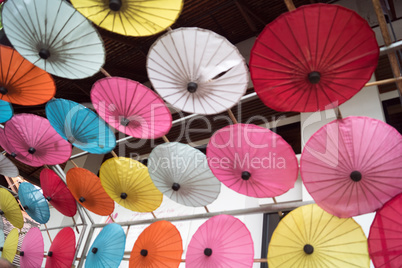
(34, 203)
(6, 111)
(80, 126)
(108, 248)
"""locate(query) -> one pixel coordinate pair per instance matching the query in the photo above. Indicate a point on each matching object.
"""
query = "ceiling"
(237, 20)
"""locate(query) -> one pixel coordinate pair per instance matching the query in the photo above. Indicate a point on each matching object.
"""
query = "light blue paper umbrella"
(1, 233)
(6, 111)
(80, 126)
(108, 248)
(34, 203)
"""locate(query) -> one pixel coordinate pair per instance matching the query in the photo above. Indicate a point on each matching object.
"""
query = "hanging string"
(165, 139)
(206, 209)
(75, 165)
(75, 224)
(114, 154)
(105, 73)
(232, 117)
(50, 238)
(153, 215)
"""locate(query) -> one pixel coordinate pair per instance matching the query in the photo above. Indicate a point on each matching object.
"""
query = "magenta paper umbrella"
(353, 166)
(32, 248)
(131, 108)
(252, 160)
(222, 241)
(35, 139)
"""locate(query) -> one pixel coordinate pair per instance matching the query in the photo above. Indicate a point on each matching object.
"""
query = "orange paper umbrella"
(88, 191)
(21, 82)
(159, 245)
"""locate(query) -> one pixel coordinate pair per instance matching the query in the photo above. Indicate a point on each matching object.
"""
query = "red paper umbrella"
(61, 252)
(252, 160)
(34, 138)
(353, 166)
(131, 108)
(312, 57)
(57, 193)
(87, 189)
(31, 252)
(385, 238)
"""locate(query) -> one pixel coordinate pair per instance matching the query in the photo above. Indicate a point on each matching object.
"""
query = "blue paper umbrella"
(34, 203)
(6, 111)
(108, 248)
(80, 126)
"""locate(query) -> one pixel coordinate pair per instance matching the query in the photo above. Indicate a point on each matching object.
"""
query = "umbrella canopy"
(385, 239)
(181, 172)
(133, 18)
(80, 126)
(297, 66)
(87, 189)
(252, 160)
(10, 246)
(197, 70)
(353, 166)
(6, 111)
(61, 252)
(10, 209)
(21, 82)
(128, 183)
(131, 108)
(7, 168)
(222, 241)
(56, 192)
(36, 141)
(159, 245)
(310, 237)
(71, 48)
(34, 203)
(32, 248)
(108, 248)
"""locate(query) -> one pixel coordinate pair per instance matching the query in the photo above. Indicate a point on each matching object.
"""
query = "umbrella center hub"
(208, 252)
(50, 254)
(192, 87)
(115, 5)
(245, 175)
(124, 121)
(26, 207)
(21, 253)
(144, 252)
(1, 212)
(356, 176)
(48, 198)
(175, 186)
(94, 250)
(3, 90)
(31, 150)
(1, 248)
(314, 77)
(13, 154)
(308, 249)
(82, 199)
(123, 195)
(44, 53)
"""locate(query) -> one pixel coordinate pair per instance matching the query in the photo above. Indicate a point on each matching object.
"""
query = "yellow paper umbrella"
(10, 209)
(10, 245)
(128, 183)
(131, 17)
(310, 237)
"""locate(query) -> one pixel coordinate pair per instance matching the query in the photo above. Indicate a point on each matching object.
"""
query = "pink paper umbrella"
(34, 138)
(252, 160)
(222, 241)
(353, 166)
(32, 248)
(131, 108)
(6, 145)
(56, 192)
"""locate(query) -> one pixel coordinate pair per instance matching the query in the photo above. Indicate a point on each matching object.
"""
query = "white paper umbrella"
(54, 36)
(7, 168)
(197, 70)
(181, 172)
